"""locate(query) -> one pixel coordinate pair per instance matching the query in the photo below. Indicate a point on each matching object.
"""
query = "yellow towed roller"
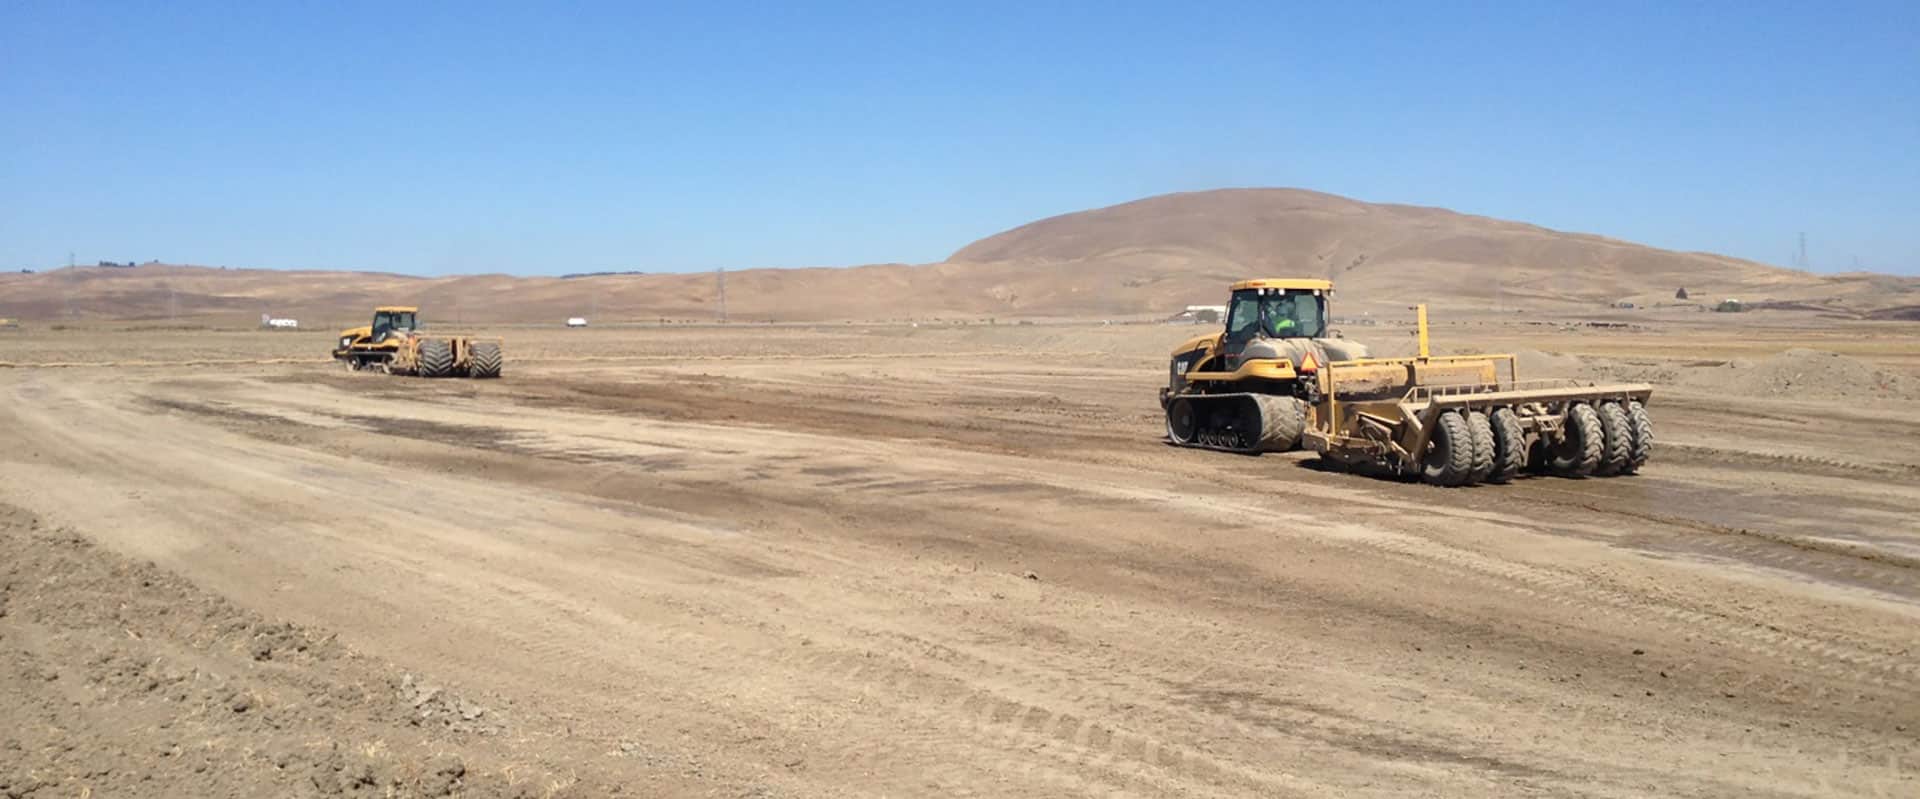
(1275, 380)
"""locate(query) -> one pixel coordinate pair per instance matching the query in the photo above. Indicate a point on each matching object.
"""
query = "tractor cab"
(394, 319)
(1280, 309)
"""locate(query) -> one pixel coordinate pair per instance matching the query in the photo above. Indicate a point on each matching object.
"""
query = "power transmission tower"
(1803, 252)
(720, 279)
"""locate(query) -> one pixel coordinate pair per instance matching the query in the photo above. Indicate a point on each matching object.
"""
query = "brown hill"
(1398, 253)
(1151, 256)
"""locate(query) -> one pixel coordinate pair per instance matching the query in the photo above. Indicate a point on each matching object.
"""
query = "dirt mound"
(1801, 372)
(121, 679)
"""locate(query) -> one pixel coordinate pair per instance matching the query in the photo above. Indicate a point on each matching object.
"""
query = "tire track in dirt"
(1574, 590)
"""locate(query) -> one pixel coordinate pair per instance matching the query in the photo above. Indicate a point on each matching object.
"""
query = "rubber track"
(1269, 427)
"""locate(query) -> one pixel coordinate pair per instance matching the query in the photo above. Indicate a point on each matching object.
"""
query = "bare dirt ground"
(886, 561)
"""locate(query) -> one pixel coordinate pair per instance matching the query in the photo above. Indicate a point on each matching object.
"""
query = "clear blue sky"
(513, 137)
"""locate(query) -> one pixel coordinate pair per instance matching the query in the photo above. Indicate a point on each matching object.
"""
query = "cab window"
(1243, 317)
(1295, 315)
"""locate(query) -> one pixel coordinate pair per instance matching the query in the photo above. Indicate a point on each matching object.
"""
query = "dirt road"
(826, 568)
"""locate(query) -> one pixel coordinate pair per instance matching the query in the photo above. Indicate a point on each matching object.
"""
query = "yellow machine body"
(1460, 419)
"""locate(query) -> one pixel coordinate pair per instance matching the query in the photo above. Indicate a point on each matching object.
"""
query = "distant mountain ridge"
(1150, 256)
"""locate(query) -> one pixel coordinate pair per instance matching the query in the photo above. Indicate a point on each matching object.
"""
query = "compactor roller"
(395, 345)
(1275, 379)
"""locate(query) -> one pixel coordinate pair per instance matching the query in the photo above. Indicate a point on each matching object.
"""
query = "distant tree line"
(600, 274)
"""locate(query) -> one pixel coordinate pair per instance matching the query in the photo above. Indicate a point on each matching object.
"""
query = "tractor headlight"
(345, 342)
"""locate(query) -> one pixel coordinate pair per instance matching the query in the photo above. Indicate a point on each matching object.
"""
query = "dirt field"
(894, 561)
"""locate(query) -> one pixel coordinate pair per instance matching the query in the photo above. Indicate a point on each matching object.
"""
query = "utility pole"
(1803, 251)
(720, 279)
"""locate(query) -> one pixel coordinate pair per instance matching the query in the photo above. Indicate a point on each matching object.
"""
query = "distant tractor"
(394, 344)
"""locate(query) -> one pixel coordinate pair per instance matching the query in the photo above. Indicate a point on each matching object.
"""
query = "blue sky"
(470, 137)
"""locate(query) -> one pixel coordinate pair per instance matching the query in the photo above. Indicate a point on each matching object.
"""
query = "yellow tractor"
(394, 344)
(1276, 379)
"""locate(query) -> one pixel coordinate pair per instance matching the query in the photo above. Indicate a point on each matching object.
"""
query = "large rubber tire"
(1482, 432)
(1578, 452)
(1616, 444)
(1509, 445)
(436, 358)
(1642, 427)
(1182, 423)
(1282, 420)
(1449, 458)
(483, 360)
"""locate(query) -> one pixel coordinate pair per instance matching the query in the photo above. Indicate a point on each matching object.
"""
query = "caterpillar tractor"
(1276, 379)
(394, 344)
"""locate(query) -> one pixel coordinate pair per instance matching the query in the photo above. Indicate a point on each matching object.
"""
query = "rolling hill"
(1151, 256)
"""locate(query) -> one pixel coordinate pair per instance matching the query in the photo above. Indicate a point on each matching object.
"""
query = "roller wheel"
(1449, 459)
(1641, 425)
(1616, 440)
(1182, 424)
(1482, 432)
(484, 360)
(1282, 420)
(1581, 440)
(436, 358)
(1509, 445)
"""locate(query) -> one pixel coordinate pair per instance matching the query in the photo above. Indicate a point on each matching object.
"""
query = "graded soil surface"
(937, 561)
